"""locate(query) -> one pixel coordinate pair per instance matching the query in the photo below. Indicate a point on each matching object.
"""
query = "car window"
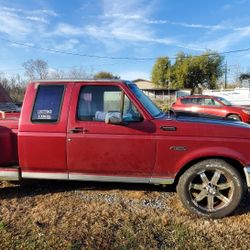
(94, 102)
(47, 103)
(191, 101)
(210, 102)
(187, 100)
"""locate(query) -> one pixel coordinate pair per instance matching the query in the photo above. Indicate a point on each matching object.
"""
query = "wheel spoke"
(201, 196)
(222, 198)
(204, 178)
(196, 186)
(215, 177)
(225, 185)
(210, 202)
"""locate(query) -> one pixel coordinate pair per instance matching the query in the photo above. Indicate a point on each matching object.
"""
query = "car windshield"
(146, 102)
(224, 101)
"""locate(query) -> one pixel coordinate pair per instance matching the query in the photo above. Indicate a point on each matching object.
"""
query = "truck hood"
(204, 126)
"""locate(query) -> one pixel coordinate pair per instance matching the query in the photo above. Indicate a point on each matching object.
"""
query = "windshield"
(224, 101)
(146, 102)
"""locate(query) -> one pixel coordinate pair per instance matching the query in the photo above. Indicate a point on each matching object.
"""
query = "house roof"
(144, 84)
(148, 85)
(4, 96)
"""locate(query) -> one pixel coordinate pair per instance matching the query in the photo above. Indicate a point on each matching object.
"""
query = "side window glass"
(47, 103)
(130, 112)
(95, 102)
(217, 103)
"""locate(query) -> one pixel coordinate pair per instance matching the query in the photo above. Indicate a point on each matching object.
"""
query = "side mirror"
(113, 117)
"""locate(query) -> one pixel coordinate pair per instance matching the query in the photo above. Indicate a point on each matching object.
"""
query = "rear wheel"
(211, 188)
(234, 117)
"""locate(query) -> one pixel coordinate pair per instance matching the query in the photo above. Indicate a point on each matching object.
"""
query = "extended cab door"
(100, 151)
(42, 130)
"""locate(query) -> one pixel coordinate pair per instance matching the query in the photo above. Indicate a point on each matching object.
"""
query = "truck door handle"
(78, 130)
(168, 128)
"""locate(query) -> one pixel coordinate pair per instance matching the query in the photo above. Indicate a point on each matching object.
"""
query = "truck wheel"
(211, 188)
(234, 117)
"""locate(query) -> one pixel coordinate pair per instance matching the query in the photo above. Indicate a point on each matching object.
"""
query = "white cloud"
(13, 25)
(222, 42)
(37, 19)
(64, 29)
(133, 75)
(125, 29)
(20, 22)
(68, 45)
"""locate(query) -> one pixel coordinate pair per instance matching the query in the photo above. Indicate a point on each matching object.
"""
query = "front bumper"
(247, 174)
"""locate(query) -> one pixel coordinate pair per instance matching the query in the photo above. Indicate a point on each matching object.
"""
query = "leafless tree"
(77, 73)
(36, 69)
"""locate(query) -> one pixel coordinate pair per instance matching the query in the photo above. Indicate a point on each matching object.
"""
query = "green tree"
(160, 74)
(105, 75)
(179, 71)
(193, 71)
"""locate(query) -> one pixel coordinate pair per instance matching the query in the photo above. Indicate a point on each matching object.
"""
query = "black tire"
(234, 117)
(211, 188)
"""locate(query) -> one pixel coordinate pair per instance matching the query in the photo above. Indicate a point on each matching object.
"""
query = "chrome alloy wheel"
(211, 190)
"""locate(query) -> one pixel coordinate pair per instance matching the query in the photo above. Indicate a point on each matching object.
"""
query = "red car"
(211, 105)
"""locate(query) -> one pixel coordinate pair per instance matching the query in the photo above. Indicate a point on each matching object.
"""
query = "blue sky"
(118, 29)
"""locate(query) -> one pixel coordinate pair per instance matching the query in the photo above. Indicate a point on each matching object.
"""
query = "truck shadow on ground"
(40, 187)
(32, 188)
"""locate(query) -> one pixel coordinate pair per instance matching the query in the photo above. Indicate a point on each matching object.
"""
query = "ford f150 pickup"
(110, 131)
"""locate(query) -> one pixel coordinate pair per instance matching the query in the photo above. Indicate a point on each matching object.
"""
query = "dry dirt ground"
(77, 215)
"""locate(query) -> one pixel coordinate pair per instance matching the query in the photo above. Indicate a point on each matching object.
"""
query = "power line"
(77, 54)
(113, 57)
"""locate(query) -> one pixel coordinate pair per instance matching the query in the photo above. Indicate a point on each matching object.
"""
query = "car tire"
(211, 188)
(234, 117)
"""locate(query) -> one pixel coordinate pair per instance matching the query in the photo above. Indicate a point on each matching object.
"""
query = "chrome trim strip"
(162, 181)
(84, 177)
(9, 174)
(51, 176)
(247, 174)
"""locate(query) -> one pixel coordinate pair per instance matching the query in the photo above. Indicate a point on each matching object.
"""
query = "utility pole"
(225, 75)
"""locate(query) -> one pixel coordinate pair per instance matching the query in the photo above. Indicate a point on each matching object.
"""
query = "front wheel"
(211, 188)
(234, 117)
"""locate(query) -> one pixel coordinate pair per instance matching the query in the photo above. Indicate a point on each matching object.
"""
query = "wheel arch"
(236, 164)
(234, 114)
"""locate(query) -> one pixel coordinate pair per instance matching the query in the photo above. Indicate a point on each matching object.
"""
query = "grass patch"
(94, 216)
(2, 225)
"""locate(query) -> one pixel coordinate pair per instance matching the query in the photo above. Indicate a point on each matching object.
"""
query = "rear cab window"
(48, 101)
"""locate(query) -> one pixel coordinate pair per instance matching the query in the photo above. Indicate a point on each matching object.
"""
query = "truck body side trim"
(84, 177)
(50, 176)
(9, 174)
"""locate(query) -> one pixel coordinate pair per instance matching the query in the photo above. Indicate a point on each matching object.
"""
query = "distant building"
(4, 96)
(154, 92)
(6, 103)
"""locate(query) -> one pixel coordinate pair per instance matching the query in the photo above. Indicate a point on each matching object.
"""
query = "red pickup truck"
(110, 131)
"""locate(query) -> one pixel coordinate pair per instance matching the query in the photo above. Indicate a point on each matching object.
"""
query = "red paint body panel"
(137, 149)
(8, 141)
(222, 110)
(201, 140)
